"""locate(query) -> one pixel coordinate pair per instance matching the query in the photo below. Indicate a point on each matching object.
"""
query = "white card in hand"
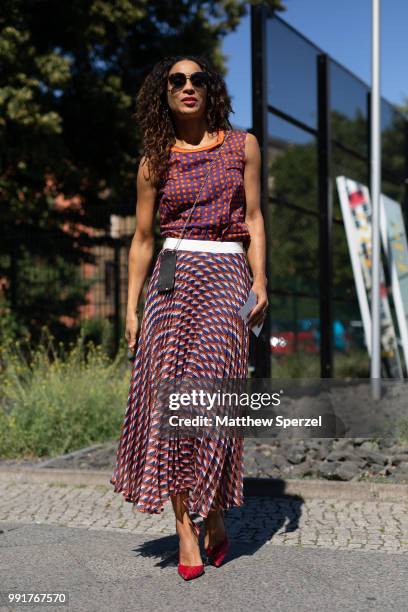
(246, 309)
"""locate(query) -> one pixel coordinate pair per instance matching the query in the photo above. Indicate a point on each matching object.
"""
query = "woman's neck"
(193, 135)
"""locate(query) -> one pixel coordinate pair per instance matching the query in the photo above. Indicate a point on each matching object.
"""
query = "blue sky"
(342, 28)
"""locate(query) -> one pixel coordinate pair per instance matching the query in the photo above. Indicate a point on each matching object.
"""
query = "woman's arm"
(254, 219)
(142, 247)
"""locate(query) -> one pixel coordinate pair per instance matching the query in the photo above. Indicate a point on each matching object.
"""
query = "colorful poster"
(395, 246)
(356, 210)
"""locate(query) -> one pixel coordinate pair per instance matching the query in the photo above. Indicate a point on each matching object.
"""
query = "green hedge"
(56, 400)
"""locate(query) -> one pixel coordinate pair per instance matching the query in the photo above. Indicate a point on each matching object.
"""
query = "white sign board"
(356, 210)
(395, 246)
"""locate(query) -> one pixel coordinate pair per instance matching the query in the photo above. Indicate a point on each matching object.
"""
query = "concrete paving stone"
(261, 517)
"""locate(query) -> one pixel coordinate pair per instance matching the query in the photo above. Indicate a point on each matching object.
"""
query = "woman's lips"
(189, 102)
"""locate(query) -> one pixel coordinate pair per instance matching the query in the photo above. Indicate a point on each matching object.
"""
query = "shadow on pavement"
(267, 510)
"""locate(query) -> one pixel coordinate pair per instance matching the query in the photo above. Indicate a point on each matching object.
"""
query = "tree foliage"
(70, 74)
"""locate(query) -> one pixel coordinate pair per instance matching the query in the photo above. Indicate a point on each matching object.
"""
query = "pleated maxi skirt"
(194, 332)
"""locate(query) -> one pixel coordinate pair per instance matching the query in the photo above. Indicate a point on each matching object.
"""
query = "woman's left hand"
(258, 313)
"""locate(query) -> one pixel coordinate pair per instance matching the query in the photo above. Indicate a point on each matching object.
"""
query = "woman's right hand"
(132, 330)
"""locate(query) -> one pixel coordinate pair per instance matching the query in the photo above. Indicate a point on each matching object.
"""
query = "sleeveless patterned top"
(220, 210)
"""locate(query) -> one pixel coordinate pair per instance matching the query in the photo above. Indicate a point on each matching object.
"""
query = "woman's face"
(186, 100)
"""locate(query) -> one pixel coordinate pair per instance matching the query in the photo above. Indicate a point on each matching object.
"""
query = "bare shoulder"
(252, 149)
(144, 168)
(145, 176)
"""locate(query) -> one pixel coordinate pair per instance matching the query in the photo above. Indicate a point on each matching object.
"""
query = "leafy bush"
(99, 332)
(56, 400)
(353, 364)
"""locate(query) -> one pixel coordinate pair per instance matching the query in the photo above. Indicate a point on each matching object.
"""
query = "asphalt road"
(104, 570)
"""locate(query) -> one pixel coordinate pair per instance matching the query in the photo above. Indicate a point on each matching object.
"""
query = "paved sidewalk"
(290, 552)
(328, 523)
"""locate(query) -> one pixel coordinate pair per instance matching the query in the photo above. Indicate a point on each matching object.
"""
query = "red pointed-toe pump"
(216, 554)
(189, 572)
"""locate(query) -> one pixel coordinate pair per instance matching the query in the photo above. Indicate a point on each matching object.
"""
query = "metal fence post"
(259, 14)
(325, 217)
(14, 250)
(117, 289)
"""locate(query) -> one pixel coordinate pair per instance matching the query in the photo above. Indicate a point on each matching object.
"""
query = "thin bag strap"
(199, 193)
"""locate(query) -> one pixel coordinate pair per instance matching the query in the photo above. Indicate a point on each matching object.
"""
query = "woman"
(182, 109)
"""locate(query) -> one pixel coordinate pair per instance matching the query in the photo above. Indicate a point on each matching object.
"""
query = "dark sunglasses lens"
(177, 79)
(199, 79)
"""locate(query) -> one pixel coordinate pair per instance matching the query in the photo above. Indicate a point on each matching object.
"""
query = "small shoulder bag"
(168, 257)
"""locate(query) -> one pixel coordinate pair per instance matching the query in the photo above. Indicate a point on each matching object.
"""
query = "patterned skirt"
(194, 332)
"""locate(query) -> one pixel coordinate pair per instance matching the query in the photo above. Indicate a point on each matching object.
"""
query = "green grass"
(57, 400)
(303, 365)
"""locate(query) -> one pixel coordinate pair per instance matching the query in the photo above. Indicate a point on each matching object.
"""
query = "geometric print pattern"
(193, 331)
(220, 211)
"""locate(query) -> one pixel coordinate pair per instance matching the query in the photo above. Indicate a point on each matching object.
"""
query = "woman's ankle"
(189, 547)
(215, 530)
(185, 529)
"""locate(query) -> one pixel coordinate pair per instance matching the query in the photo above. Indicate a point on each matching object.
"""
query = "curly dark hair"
(154, 115)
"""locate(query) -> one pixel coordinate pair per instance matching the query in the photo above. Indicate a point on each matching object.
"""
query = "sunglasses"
(198, 79)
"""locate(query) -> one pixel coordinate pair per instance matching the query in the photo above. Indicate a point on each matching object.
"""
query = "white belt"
(210, 246)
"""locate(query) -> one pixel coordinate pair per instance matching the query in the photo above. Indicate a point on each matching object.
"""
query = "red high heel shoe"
(189, 572)
(216, 554)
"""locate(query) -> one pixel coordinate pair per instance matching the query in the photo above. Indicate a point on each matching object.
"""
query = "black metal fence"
(312, 118)
(50, 282)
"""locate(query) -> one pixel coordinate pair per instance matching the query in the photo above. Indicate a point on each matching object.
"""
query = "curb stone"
(268, 487)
